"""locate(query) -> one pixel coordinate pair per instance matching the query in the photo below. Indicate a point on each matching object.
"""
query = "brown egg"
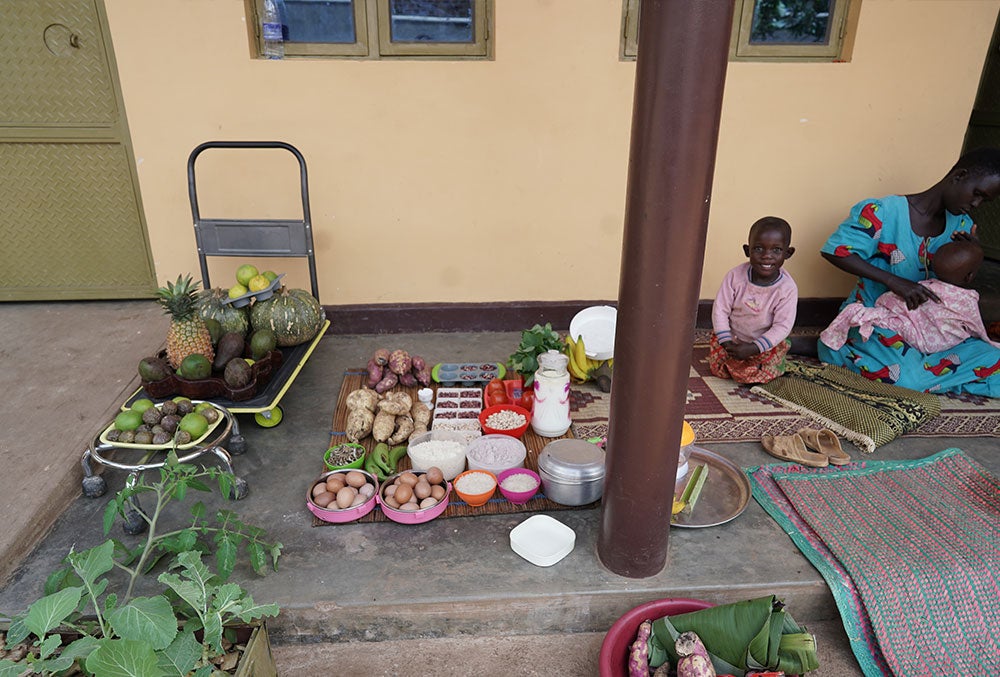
(434, 475)
(428, 502)
(438, 492)
(335, 483)
(390, 490)
(319, 488)
(407, 478)
(323, 499)
(403, 493)
(422, 489)
(345, 497)
(409, 506)
(356, 479)
(391, 502)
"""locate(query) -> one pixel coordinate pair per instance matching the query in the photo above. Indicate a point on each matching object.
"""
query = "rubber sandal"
(793, 448)
(825, 441)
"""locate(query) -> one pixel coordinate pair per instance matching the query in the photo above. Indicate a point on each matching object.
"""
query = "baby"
(932, 326)
(754, 310)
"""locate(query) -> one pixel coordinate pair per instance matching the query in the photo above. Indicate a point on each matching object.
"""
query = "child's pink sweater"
(754, 313)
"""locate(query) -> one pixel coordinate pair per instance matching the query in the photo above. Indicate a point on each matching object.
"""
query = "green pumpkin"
(292, 315)
(211, 307)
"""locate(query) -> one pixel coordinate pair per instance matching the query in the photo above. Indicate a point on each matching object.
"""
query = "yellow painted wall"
(505, 180)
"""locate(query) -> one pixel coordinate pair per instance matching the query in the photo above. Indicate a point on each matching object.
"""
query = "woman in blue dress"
(889, 243)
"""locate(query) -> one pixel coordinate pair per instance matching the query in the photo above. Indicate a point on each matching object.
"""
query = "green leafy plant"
(534, 342)
(175, 632)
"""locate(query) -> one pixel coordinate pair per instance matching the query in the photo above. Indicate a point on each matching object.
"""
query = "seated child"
(754, 310)
(932, 326)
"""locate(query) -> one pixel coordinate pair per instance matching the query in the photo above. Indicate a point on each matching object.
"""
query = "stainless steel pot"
(572, 471)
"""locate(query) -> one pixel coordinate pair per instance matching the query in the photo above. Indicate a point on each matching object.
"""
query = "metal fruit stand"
(285, 238)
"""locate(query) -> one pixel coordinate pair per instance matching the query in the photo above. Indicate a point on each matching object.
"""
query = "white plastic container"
(451, 464)
(542, 540)
(495, 453)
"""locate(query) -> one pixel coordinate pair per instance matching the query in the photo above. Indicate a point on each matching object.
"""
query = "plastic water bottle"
(271, 33)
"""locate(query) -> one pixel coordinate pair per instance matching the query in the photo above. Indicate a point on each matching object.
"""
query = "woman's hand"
(914, 294)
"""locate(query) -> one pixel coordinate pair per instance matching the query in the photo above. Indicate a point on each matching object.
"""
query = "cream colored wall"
(505, 180)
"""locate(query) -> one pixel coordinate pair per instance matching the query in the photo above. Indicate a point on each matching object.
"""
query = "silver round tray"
(723, 498)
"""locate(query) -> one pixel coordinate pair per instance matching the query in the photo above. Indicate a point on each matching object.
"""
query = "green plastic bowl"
(353, 465)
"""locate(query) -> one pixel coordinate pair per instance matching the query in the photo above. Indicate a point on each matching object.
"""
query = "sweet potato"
(383, 426)
(399, 362)
(695, 665)
(417, 362)
(381, 357)
(389, 381)
(424, 376)
(638, 655)
(408, 379)
(374, 373)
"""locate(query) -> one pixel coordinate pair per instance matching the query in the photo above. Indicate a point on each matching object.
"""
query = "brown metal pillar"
(680, 76)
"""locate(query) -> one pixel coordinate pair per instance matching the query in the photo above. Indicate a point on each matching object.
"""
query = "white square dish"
(542, 540)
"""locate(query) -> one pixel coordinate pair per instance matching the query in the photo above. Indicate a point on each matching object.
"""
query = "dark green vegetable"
(534, 342)
(372, 467)
(381, 454)
(396, 454)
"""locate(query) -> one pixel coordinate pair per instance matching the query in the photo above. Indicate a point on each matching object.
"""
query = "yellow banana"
(580, 353)
(574, 368)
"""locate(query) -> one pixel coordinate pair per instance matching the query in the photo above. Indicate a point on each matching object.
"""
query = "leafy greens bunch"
(534, 342)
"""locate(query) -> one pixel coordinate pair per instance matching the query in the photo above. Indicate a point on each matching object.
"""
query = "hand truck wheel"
(269, 418)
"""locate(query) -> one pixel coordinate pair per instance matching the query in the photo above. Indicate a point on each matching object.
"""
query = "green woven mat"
(868, 413)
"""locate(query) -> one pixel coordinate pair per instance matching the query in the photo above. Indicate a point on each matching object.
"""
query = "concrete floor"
(369, 598)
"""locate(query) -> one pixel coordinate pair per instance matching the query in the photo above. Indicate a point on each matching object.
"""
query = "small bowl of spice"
(505, 419)
(519, 485)
(475, 487)
(348, 455)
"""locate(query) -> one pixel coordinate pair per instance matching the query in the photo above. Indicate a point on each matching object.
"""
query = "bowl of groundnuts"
(505, 419)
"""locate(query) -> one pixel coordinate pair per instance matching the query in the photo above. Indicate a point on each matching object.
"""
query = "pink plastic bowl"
(513, 432)
(613, 660)
(348, 514)
(416, 516)
(519, 497)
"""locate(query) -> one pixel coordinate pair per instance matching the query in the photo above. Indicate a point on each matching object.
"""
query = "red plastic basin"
(613, 661)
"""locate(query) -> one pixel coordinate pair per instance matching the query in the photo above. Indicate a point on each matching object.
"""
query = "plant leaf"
(17, 632)
(181, 656)
(275, 554)
(123, 658)
(81, 648)
(94, 562)
(258, 560)
(9, 669)
(49, 611)
(110, 513)
(48, 646)
(198, 511)
(225, 556)
(147, 619)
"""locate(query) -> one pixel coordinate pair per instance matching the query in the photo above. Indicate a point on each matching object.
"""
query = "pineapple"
(188, 333)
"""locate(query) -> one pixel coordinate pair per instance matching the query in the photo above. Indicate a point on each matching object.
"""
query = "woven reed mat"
(911, 552)
(498, 505)
(720, 410)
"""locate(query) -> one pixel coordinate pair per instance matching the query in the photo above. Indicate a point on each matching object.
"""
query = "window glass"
(319, 21)
(791, 22)
(431, 20)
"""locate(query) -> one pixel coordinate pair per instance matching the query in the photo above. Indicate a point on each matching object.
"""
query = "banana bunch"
(581, 367)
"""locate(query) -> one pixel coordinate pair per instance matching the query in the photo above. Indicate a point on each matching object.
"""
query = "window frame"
(372, 22)
(843, 26)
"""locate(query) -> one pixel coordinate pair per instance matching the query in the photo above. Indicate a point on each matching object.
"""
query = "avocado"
(214, 329)
(153, 369)
(262, 342)
(230, 345)
(238, 373)
(196, 366)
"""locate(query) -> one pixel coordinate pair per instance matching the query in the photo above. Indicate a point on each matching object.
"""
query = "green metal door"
(71, 220)
(984, 130)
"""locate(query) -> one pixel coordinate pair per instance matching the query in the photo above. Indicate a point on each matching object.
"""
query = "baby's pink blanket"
(931, 327)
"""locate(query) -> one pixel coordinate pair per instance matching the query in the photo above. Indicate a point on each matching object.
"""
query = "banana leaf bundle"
(756, 634)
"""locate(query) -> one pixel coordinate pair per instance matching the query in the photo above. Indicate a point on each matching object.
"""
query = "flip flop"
(793, 448)
(825, 441)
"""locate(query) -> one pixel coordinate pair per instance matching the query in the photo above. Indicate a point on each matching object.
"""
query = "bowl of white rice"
(442, 448)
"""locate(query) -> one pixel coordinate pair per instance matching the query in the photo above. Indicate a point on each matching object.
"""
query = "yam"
(404, 428)
(359, 424)
(383, 426)
(363, 397)
(420, 413)
(397, 403)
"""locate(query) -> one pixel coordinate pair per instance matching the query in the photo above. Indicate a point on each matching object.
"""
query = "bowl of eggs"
(413, 496)
(342, 495)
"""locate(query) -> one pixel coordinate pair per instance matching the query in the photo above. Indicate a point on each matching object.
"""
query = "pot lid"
(572, 460)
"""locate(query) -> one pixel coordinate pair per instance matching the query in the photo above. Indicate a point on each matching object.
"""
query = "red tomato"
(499, 397)
(527, 398)
(495, 386)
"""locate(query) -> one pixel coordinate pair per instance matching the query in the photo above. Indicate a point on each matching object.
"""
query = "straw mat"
(911, 552)
(498, 505)
(720, 410)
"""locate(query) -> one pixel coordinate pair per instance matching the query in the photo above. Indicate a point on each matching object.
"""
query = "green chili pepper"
(372, 466)
(381, 454)
(395, 456)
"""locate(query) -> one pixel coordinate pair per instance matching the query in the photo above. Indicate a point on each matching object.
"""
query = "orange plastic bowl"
(485, 414)
(479, 499)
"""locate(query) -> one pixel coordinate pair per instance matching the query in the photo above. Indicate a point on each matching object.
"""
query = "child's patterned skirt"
(760, 368)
